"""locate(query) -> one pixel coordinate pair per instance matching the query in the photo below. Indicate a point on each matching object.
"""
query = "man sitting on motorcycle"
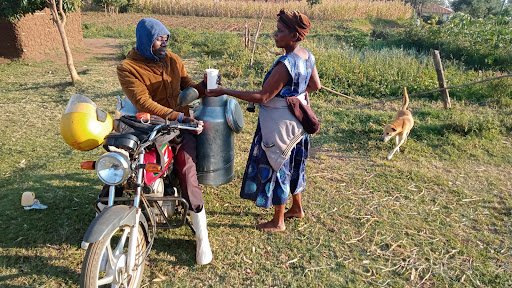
(152, 77)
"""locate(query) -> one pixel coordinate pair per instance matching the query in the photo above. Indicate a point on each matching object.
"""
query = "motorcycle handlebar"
(174, 125)
(189, 126)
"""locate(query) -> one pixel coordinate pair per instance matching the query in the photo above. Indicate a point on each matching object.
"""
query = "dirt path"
(106, 49)
(103, 48)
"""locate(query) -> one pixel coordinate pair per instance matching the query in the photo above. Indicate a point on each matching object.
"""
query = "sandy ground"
(104, 48)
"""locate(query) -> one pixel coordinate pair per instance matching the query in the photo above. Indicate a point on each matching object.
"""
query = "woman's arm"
(314, 82)
(271, 87)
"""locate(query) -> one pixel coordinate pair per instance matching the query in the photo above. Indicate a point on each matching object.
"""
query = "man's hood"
(148, 29)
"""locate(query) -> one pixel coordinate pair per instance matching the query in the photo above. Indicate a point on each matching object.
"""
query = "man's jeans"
(185, 168)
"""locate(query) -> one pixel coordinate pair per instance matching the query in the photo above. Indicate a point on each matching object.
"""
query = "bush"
(13, 10)
(348, 37)
(112, 6)
(478, 43)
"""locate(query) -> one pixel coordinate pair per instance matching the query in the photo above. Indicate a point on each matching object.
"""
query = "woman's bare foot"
(271, 226)
(294, 213)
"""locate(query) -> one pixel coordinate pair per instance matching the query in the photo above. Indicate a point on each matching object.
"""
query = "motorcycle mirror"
(187, 96)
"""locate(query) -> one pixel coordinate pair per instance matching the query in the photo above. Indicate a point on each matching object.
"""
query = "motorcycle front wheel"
(105, 262)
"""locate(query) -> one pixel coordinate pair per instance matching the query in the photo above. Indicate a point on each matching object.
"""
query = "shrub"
(111, 6)
(478, 43)
(13, 10)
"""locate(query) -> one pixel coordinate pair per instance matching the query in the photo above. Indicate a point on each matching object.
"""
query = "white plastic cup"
(211, 78)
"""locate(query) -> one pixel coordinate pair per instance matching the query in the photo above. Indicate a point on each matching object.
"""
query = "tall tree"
(59, 18)
(478, 8)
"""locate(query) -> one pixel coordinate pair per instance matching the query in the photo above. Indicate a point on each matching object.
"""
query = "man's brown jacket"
(154, 87)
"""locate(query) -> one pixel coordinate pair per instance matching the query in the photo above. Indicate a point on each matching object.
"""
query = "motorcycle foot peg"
(84, 245)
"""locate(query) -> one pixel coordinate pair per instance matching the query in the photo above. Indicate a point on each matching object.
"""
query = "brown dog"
(401, 127)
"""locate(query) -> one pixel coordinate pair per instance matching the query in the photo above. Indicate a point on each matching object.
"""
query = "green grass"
(438, 214)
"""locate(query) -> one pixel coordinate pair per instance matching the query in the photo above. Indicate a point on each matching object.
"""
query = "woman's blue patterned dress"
(261, 183)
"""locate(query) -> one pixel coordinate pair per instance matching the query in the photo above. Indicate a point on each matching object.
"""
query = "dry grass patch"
(326, 10)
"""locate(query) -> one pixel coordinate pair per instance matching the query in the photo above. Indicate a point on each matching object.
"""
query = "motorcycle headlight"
(113, 168)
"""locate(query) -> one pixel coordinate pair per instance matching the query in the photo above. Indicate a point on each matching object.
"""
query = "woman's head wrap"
(295, 22)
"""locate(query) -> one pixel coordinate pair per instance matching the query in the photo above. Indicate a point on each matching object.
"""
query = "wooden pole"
(337, 93)
(441, 80)
(250, 106)
(245, 36)
(255, 40)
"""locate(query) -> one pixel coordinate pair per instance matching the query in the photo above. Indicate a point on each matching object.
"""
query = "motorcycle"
(140, 195)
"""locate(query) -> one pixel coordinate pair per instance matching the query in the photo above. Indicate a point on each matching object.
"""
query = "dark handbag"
(304, 114)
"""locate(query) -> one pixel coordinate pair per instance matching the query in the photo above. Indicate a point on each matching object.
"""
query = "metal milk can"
(222, 117)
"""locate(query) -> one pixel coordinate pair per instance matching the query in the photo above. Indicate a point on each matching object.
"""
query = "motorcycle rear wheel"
(105, 262)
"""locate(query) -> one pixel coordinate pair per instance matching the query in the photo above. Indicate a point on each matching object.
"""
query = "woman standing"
(276, 166)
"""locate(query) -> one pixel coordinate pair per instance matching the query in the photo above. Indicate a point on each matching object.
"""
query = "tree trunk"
(56, 17)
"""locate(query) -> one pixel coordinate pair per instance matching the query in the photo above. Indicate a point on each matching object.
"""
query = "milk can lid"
(234, 116)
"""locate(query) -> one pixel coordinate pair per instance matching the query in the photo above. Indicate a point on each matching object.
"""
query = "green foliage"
(480, 125)
(112, 5)
(478, 43)
(478, 8)
(507, 10)
(13, 10)
(461, 122)
(92, 30)
(313, 2)
(368, 73)
(346, 36)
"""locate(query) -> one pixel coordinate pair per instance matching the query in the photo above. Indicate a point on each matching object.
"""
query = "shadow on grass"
(110, 57)
(182, 251)
(357, 132)
(233, 213)
(34, 266)
(360, 131)
(231, 225)
(59, 87)
(69, 197)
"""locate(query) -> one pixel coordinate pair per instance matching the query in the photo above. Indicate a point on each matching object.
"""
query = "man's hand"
(194, 121)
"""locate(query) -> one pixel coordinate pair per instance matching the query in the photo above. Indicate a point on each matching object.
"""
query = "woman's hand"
(219, 91)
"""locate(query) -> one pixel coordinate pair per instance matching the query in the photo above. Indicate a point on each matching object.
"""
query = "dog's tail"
(405, 100)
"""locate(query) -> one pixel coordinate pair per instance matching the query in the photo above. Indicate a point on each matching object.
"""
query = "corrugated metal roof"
(434, 8)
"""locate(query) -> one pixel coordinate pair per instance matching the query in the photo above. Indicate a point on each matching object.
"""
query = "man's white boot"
(203, 251)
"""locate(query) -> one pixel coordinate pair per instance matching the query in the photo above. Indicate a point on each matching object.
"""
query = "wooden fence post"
(246, 36)
(442, 81)
(255, 41)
